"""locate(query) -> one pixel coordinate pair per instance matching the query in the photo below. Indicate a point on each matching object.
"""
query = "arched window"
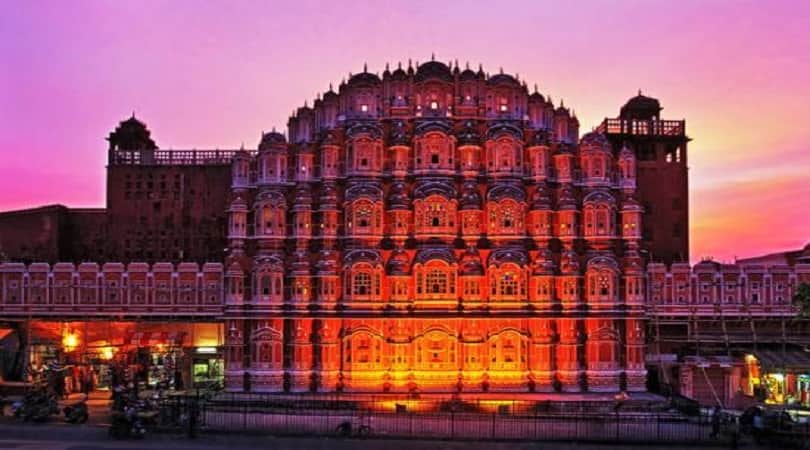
(435, 280)
(363, 282)
(601, 285)
(436, 351)
(435, 215)
(364, 218)
(507, 283)
(507, 352)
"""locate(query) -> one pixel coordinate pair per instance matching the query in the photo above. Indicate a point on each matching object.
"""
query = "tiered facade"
(434, 230)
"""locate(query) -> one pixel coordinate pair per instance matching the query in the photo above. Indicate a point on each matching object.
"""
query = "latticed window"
(604, 285)
(363, 215)
(472, 287)
(361, 284)
(436, 214)
(436, 282)
(508, 284)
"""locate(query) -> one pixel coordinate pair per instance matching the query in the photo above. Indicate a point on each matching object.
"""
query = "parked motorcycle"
(36, 406)
(127, 424)
(77, 413)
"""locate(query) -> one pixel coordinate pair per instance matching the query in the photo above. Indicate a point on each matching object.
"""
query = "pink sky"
(215, 74)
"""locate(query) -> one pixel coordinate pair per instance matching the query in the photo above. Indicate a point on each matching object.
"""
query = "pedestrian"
(715, 422)
(758, 427)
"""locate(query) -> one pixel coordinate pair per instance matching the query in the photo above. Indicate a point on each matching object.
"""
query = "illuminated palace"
(439, 230)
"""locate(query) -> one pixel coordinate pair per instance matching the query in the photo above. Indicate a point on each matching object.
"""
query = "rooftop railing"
(173, 157)
(638, 127)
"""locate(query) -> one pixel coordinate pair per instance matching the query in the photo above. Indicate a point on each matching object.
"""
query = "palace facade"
(435, 230)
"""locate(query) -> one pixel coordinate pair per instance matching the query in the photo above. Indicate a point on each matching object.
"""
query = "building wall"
(65, 290)
(167, 212)
(33, 234)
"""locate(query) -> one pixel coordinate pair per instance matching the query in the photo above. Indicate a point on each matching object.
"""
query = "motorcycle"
(36, 406)
(127, 424)
(77, 413)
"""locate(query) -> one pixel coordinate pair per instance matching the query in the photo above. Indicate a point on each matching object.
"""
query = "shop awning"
(152, 338)
(793, 359)
(4, 332)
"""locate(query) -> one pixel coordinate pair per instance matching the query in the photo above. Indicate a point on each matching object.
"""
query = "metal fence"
(618, 427)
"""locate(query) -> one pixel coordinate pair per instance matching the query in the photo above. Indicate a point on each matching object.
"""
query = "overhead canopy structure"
(790, 359)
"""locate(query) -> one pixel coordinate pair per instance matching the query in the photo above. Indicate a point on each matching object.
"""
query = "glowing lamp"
(70, 341)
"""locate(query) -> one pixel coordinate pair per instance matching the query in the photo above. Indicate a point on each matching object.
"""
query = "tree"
(802, 299)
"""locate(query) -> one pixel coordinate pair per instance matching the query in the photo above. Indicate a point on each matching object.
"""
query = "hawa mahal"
(438, 230)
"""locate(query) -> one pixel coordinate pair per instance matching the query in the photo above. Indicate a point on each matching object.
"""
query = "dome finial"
(399, 65)
(467, 65)
(562, 105)
(501, 69)
(535, 88)
(330, 85)
(365, 67)
(133, 113)
(305, 103)
(432, 56)
(639, 92)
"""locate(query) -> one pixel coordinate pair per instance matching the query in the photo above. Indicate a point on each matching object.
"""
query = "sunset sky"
(215, 74)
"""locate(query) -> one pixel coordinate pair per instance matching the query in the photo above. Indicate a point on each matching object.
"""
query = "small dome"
(303, 197)
(641, 107)
(468, 75)
(398, 263)
(504, 79)
(399, 74)
(470, 264)
(131, 134)
(566, 199)
(536, 97)
(272, 139)
(433, 70)
(540, 138)
(631, 204)
(399, 134)
(595, 140)
(328, 197)
(626, 153)
(543, 264)
(398, 197)
(238, 204)
(569, 263)
(470, 197)
(364, 79)
(541, 200)
(469, 134)
(330, 95)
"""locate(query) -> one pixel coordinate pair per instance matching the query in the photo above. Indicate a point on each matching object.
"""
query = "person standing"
(715, 423)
